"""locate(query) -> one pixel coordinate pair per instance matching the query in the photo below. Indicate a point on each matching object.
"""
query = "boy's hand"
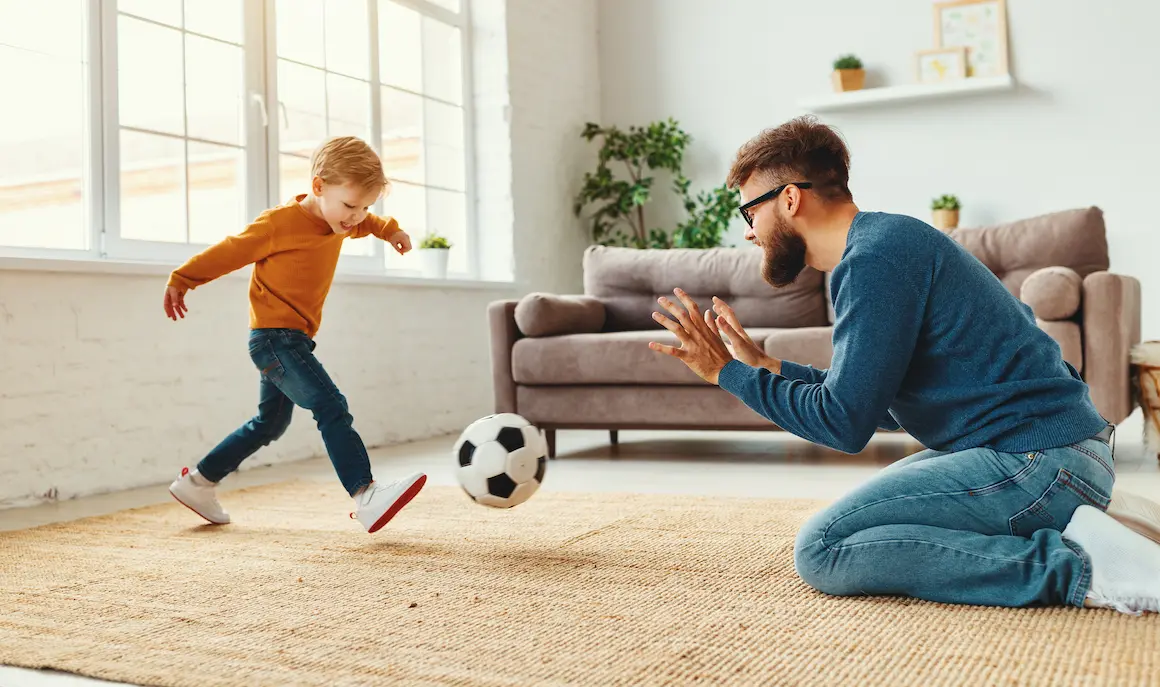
(401, 242)
(175, 303)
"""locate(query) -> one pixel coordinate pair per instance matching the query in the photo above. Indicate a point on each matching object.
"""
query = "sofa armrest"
(549, 314)
(501, 318)
(1111, 327)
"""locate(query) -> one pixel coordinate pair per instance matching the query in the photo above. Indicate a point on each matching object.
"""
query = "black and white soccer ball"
(501, 460)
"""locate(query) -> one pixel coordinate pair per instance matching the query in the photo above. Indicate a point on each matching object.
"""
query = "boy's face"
(344, 206)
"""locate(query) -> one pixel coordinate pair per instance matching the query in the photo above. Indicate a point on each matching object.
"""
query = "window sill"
(10, 263)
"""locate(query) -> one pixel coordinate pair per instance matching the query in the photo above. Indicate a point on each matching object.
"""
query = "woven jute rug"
(565, 589)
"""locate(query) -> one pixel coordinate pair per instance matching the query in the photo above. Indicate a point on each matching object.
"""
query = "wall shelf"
(886, 95)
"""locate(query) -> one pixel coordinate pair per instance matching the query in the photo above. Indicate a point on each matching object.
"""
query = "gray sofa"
(582, 361)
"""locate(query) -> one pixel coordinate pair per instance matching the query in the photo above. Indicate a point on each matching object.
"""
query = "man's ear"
(793, 200)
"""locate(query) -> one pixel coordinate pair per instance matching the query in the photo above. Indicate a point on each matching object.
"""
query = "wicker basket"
(1146, 390)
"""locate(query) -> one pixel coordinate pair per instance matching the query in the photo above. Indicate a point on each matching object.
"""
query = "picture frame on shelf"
(939, 65)
(980, 26)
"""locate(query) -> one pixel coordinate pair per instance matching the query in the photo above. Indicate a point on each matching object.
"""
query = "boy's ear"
(316, 186)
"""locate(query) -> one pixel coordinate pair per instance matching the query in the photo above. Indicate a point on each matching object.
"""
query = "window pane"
(348, 38)
(218, 18)
(149, 76)
(452, 5)
(400, 52)
(302, 110)
(447, 216)
(364, 246)
(446, 165)
(152, 187)
(52, 27)
(294, 176)
(300, 25)
(164, 11)
(408, 204)
(442, 68)
(217, 187)
(42, 151)
(402, 144)
(214, 89)
(349, 104)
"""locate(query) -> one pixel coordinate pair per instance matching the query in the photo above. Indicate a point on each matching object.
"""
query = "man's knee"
(812, 558)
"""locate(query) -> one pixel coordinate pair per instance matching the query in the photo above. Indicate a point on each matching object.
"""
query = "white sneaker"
(199, 498)
(378, 503)
(1125, 564)
(1137, 512)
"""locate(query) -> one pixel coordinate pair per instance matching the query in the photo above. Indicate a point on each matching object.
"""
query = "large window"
(153, 128)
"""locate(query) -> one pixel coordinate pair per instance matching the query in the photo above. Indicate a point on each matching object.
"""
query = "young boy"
(294, 249)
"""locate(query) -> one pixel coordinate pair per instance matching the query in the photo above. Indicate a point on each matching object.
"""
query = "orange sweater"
(294, 255)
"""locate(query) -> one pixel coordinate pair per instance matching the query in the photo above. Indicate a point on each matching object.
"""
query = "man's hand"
(702, 349)
(740, 344)
(401, 242)
(175, 303)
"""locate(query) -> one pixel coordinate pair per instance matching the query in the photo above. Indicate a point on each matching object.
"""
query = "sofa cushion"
(545, 314)
(628, 281)
(1053, 293)
(1013, 251)
(805, 346)
(609, 358)
(1070, 340)
(678, 407)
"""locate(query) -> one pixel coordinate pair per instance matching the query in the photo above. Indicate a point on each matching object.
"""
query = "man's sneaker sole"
(212, 522)
(403, 500)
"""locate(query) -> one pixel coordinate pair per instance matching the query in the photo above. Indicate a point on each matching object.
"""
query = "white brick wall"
(99, 392)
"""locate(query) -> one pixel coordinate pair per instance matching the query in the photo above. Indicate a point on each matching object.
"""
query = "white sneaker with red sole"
(378, 503)
(199, 495)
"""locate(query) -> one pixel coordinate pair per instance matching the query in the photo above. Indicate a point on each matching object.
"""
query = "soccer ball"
(501, 460)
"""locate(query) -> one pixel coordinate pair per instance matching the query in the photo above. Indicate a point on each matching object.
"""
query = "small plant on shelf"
(848, 73)
(946, 211)
(434, 241)
(433, 252)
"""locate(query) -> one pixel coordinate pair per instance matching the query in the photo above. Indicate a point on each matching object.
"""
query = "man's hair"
(802, 149)
(348, 159)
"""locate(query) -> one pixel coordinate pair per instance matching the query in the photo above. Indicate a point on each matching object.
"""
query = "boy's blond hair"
(348, 159)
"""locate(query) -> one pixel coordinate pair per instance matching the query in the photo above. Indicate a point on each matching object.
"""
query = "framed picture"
(941, 64)
(980, 26)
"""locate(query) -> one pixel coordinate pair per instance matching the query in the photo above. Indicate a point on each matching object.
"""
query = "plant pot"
(433, 262)
(849, 79)
(946, 219)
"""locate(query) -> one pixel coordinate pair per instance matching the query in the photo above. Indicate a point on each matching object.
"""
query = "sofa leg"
(614, 436)
(550, 436)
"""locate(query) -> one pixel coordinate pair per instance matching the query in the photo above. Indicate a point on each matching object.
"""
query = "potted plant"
(433, 251)
(848, 74)
(946, 212)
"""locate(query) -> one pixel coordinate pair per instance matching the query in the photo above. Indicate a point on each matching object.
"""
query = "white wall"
(1082, 128)
(98, 391)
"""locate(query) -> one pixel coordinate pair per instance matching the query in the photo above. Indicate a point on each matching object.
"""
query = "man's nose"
(750, 234)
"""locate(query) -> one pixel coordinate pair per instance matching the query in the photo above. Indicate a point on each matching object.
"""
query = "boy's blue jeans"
(972, 527)
(291, 376)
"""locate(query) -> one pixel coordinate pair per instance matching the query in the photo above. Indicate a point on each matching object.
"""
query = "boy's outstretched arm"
(232, 253)
(388, 230)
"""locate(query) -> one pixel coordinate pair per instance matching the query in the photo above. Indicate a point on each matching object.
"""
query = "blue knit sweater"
(926, 338)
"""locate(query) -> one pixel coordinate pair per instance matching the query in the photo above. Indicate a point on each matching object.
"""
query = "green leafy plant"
(945, 202)
(433, 240)
(640, 152)
(848, 62)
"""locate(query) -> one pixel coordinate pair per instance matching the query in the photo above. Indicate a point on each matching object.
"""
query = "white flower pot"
(433, 262)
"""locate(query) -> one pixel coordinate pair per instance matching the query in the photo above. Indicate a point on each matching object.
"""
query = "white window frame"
(260, 87)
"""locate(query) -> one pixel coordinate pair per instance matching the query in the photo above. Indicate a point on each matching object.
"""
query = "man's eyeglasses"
(768, 196)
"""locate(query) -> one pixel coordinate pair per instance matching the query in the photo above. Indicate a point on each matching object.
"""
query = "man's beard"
(785, 254)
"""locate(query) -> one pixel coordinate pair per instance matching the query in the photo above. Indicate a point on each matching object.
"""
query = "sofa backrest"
(1072, 238)
(629, 281)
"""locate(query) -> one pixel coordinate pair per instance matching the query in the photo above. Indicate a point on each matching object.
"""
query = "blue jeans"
(972, 527)
(291, 375)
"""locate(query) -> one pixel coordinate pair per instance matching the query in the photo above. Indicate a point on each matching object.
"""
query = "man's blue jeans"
(972, 527)
(291, 375)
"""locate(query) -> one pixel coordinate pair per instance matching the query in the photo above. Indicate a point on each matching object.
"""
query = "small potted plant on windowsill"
(433, 251)
(848, 74)
(946, 212)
